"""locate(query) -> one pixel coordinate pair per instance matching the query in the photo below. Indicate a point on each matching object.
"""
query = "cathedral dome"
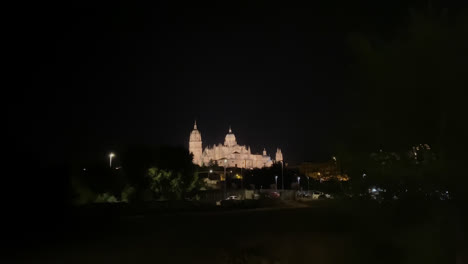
(230, 139)
(195, 134)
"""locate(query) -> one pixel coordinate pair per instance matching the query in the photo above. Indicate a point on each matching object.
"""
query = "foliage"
(145, 171)
(99, 178)
(167, 171)
(128, 194)
(266, 176)
(106, 198)
(171, 185)
(81, 193)
(136, 160)
(408, 89)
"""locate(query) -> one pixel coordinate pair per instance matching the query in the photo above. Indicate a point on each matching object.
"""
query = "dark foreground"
(321, 232)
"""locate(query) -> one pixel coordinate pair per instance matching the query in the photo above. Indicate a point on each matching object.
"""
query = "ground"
(320, 232)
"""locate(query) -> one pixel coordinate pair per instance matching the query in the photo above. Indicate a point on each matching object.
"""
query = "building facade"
(229, 154)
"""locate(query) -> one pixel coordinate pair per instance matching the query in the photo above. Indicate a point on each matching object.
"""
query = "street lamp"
(282, 178)
(299, 181)
(242, 180)
(225, 178)
(111, 155)
(276, 180)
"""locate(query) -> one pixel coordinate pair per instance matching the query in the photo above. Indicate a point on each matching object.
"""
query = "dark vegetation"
(143, 173)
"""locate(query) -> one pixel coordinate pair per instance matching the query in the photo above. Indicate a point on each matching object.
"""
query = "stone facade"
(230, 153)
(195, 144)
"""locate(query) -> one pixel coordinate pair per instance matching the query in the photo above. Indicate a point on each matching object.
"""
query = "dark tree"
(408, 90)
(100, 178)
(176, 161)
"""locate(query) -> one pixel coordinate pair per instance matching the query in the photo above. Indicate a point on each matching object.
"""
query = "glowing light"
(111, 155)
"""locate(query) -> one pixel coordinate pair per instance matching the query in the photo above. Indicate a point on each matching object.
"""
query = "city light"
(111, 155)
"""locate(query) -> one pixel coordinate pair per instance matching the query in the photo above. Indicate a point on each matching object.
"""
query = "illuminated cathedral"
(229, 154)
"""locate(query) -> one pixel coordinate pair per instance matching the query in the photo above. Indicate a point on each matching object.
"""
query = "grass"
(323, 232)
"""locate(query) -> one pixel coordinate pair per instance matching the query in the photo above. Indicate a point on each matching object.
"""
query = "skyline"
(98, 79)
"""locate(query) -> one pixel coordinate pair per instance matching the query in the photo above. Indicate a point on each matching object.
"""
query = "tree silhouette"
(408, 89)
(166, 170)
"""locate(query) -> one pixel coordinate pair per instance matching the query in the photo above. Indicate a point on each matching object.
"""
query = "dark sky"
(97, 78)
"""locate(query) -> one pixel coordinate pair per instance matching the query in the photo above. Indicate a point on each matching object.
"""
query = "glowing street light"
(299, 181)
(111, 155)
(276, 180)
(211, 171)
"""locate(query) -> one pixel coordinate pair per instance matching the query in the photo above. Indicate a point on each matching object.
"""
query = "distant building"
(422, 153)
(279, 155)
(323, 171)
(230, 153)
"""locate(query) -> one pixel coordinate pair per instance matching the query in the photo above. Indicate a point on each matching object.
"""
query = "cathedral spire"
(195, 125)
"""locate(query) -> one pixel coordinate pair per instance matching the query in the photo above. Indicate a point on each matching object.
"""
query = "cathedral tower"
(230, 139)
(195, 145)
(279, 155)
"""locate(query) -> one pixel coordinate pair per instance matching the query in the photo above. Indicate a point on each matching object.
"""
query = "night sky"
(97, 78)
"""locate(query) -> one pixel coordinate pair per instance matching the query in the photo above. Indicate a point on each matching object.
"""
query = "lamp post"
(225, 178)
(242, 180)
(307, 184)
(111, 155)
(276, 181)
(299, 181)
(282, 178)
